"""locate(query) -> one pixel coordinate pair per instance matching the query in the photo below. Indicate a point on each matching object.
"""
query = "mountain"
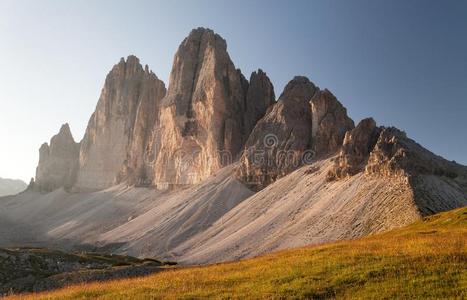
(425, 260)
(11, 186)
(117, 144)
(208, 112)
(214, 169)
(58, 163)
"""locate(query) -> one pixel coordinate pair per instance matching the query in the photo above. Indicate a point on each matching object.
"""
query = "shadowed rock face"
(58, 163)
(208, 111)
(355, 150)
(330, 123)
(259, 98)
(278, 141)
(304, 123)
(115, 146)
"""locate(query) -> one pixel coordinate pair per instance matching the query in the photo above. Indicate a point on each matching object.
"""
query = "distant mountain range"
(11, 186)
(215, 168)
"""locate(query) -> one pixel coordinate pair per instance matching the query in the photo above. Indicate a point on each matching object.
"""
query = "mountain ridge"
(212, 168)
(11, 186)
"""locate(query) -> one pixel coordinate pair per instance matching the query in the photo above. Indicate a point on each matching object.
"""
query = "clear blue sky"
(402, 62)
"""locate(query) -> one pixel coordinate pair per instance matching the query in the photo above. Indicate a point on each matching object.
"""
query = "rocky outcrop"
(330, 123)
(394, 154)
(388, 152)
(202, 119)
(306, 122)
(138, 167)
(355, 150)
(279, 140)
(115, 146)
(58, 163)
(259, 98)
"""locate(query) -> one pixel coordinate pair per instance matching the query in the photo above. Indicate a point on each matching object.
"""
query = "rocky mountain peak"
(58, 162)
(305, 123)
(357, 145)
(65, 130)
(129, 94)
(204, 119)
(279, 140)
(330, 123)
(300, 89)
(260, 96)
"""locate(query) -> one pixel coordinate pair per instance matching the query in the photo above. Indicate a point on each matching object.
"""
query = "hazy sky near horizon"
(402, 62)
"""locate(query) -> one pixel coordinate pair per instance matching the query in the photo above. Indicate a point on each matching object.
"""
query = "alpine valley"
(214, 167)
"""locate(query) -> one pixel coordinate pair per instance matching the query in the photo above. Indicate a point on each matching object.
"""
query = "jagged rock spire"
(58, 162)
(204, 119)
(115, 139)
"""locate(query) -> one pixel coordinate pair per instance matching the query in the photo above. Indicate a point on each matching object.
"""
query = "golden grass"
(425, 260)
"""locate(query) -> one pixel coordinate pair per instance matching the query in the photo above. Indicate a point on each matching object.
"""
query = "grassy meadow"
(425, 260)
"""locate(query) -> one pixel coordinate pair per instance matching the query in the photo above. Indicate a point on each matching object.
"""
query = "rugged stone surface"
(387, 152)
(279, 140)
(305, 123)
(115, 145)
(259, 98)
(138, 167)
(356, 147)
(35, 269)
(395, 154)
(330, 123)
(140, 136)
(202, 126)
(58, 163)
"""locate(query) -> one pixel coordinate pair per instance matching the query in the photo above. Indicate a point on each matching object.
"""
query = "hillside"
(220, 219)
(11, 186)
(38, 269)
(427, 259)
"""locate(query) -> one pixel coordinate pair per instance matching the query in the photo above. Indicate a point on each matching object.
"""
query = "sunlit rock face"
(116, 145)
(58, 163)
(208, 112)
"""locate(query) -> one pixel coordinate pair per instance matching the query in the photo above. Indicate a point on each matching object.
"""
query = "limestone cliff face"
(330, 123)
(356, 147)
(203, 119)
(139, 164)
(388, 152)
(395, 154)
(115, 146)
(306, 122)
(58, 163)
(278, 141)
(259, 98)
